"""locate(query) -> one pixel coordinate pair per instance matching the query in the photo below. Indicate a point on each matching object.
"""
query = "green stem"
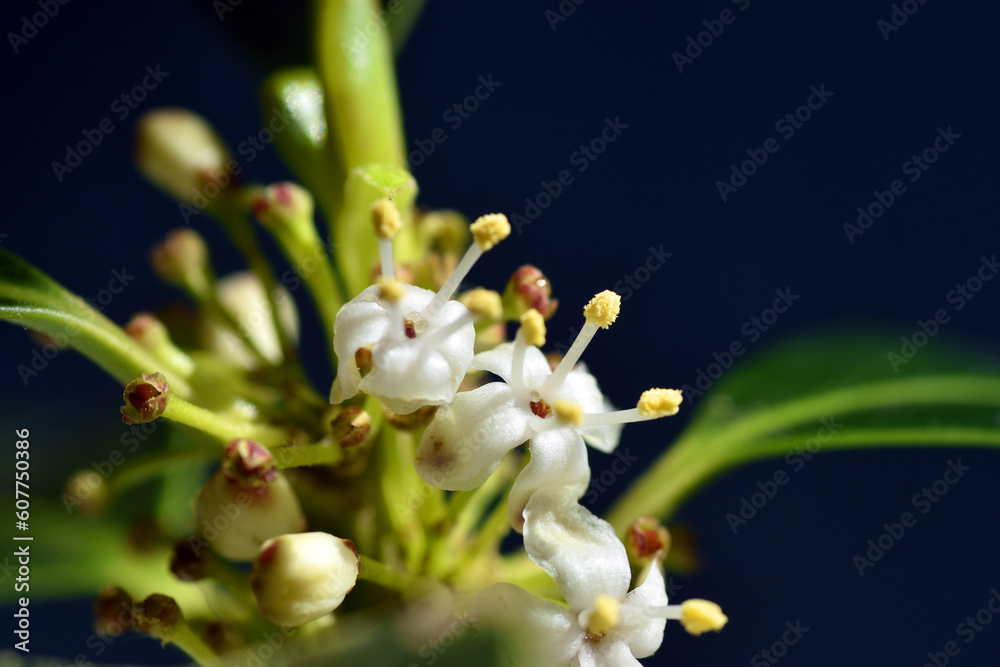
(306, 455)
(155, 466)
(383, 575)
(222, 428)
(186, 640)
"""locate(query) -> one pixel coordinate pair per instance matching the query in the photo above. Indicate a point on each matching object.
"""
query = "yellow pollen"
(569, 412)
(605, 616)
(533, 327)
(386, 218)
(660, 402)
(701, 616)
(489, 230)
(484, 303)
(390, 290)
(603, 309)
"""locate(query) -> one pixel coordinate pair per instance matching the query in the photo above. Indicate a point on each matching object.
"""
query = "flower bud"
(528, 288)
(159, 616)
(145, 398)
(283, 205)
(191, 560)
(152, 334)
(646, 541)
(245, 503)
(222, 637)
(351, 427)
(87, 490)
(419, 418)
(299, 578)
(114, 612)
(182, 259)
(180, 152)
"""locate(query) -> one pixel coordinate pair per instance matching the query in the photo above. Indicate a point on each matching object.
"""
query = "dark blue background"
(655, 185)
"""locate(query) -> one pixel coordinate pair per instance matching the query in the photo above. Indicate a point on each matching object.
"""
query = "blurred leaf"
(836, 391)
(30, 298)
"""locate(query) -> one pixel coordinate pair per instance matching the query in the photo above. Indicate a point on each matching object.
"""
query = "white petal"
(613, 654)
(579, 550)
(404, 377)
(558, 465)
(581, 388)
(542, 633)
(466, 440)
(360, 322)
(498, 361)
(643, 633)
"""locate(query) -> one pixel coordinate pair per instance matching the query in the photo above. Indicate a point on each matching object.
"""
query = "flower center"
(604, 617)
(540, 408)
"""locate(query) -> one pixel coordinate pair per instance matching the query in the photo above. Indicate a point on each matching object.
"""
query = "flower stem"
(383, 575)
(222, 428)
(186, 640)
(306, 455)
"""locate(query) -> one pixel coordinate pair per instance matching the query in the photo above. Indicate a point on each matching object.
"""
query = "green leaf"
(32, 299)
(835, 392)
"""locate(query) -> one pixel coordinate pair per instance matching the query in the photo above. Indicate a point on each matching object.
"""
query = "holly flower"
(557, 411)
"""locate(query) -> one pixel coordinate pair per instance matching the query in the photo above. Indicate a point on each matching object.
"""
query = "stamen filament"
(617, 417)
(454, 280)
(555, 381)
(517, 366)
(385, 255)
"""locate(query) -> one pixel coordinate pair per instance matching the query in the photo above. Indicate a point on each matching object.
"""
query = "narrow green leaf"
(30, 298)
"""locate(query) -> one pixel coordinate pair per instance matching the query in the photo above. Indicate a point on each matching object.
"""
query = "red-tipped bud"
(145, 398)
(528, 288)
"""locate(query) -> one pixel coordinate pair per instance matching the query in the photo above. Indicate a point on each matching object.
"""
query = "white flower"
(605, 624)
(556, 410)
(408, 346)
(299, 578)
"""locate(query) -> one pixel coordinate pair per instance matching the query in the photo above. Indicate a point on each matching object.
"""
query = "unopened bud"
(647, 540)
(351, 427)
(283, 206)
(145, 398)
(159, 616)
(528, 289)
(447, 231)
(249, 465)
(152, 334)
(88, 491)
(114, 612)
(299, 578)
(180, 152)
(222, 637)
(182, 259)
(236, 515)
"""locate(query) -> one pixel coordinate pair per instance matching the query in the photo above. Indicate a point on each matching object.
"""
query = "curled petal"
(542, 633)
(607, 654)
(579, 550)
(644, 633)
(558, 465)
(360, 322)
(467, 439)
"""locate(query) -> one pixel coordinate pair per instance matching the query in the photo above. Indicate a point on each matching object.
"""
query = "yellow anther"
(390, 290)
(660, 402)
(533, 327)
(701, 616)
(489, 230)
(569, 412)
(483, 303)
(386, 218)
(603, 309)
(605, 616)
